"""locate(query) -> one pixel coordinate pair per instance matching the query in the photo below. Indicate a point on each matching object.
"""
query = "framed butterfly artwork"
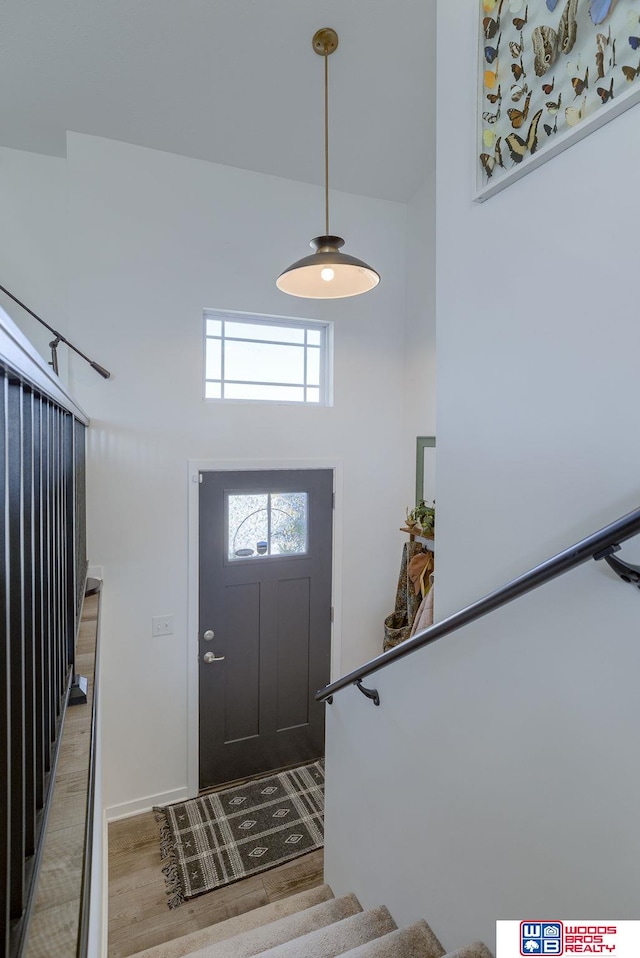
(550, 72)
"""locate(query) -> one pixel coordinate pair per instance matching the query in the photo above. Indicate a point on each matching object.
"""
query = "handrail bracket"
(372, 694)
(627, 572)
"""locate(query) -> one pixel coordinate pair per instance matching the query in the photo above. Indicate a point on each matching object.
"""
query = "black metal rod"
(616, 532)
(16, 716)
(98, 368)
(30, 716)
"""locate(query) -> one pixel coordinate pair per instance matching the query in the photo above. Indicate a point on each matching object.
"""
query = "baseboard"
(140, 805)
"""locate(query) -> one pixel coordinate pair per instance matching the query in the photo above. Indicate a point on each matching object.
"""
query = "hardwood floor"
(138, 913)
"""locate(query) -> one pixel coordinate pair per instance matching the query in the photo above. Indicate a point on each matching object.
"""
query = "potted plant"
(422, 519)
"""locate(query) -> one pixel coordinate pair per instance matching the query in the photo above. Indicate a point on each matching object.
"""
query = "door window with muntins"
(266, 525)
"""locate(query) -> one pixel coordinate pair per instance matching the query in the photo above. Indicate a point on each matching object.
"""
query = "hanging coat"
(397, 625)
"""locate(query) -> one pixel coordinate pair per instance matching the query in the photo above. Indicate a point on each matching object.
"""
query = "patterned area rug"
(224, 836)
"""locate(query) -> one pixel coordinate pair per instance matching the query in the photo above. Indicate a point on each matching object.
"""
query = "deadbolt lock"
(209, 635)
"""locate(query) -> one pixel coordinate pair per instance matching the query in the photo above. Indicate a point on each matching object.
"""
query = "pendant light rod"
(325, 42)
(326, 142)
(327, 273)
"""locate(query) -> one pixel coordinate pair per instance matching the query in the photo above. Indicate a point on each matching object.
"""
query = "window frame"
(325, 348)
(233, 559)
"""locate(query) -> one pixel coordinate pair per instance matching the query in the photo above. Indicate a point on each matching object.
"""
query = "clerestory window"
(266, 359)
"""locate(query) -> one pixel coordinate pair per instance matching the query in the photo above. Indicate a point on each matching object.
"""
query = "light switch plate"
(162, 625)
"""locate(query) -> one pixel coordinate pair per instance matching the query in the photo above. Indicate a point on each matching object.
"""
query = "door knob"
(210, 657)
(209, 635)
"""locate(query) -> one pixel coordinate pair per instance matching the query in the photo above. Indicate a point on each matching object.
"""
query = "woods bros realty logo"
(541, 938)
(552, 938)
(619, 939)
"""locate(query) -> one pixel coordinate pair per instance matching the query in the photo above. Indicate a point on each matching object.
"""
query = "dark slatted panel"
(68, 635)
(56, 605)
(40, 667)
(42, 572)
(47, 623)
(16, 651)
(5, 778)
(80, 513)
(69, 536)
(61, 561)
(27, 610)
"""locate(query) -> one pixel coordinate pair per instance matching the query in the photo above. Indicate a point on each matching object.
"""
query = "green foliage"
(423, 518)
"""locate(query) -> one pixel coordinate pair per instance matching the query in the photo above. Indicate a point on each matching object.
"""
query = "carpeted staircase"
(312, 924)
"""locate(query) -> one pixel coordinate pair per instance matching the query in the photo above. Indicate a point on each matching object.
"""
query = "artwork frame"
(533, 101)
(425, 470)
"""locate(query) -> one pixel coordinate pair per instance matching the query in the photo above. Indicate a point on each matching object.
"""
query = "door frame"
(195, 467)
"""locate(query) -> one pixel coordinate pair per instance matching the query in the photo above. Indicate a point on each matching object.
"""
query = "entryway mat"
(219, 838)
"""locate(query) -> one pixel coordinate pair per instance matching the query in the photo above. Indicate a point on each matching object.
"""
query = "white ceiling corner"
(230, 81)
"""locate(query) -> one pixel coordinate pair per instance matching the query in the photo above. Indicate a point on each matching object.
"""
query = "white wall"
(33, 245)
(154, 238)
(499, 777)
(420, 357)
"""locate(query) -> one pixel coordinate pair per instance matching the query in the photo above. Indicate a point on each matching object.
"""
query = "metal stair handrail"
(599, 545)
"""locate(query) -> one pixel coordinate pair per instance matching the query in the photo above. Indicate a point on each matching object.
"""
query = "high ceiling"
(232, 81)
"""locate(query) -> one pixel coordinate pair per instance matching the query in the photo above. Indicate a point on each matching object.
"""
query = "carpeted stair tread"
(414, 941)
(326, 941)
(317, 905)
(332, 940)
(275, 933)
(475, 950)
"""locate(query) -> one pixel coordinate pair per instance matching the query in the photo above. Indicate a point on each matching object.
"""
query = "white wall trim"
(139, 805)
(195, 466)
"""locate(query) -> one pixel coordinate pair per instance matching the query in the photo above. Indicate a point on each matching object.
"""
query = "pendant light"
(327, 273)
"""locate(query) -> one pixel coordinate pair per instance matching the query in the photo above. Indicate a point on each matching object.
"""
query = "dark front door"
(264, 619)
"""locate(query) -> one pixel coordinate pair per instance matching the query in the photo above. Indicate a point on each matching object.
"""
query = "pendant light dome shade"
(327, 273)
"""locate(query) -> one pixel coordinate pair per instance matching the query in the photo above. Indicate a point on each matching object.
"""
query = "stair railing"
(43, 567)
(600, 545)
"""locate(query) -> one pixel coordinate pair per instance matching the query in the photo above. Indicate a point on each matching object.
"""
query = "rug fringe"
(174, 889)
